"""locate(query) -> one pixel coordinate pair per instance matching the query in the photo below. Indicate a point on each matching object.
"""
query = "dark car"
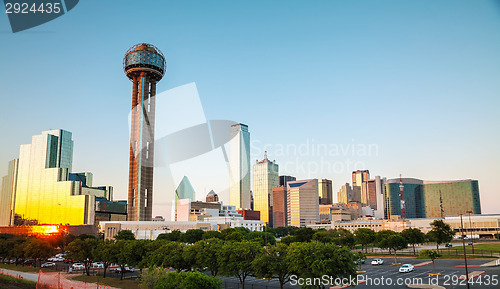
(447, 245)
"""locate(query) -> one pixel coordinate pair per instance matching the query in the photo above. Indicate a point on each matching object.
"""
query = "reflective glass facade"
(7, 194)
(43, 192)
(239, 167)
(424, 199)
(265, 178)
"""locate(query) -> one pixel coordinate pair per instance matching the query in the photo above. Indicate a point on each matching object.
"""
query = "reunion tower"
(144, 65)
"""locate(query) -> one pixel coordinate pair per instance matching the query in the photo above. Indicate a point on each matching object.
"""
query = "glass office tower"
(43, 194)
(239, 166)
(265, 178)
(7, 194)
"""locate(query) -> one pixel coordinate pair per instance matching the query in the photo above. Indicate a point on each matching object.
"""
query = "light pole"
(470, 226)
(465, 254)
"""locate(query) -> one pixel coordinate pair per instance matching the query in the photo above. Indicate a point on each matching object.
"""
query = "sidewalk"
(27, 276)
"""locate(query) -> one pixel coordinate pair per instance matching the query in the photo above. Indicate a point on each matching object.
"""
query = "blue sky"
(418, 79)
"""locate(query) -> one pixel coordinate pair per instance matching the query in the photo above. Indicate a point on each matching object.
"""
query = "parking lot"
(387, 275)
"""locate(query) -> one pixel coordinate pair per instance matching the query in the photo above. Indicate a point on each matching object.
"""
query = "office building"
(345, 195)
(7, 194)
(239, 166)
(285, 179)
(360, 180)
(325, 191)
(144, 65)
(184, 191)
(279, 207)
(212, 197)
(265, 178)
(45, 191)
(302, 202)
(430, 199)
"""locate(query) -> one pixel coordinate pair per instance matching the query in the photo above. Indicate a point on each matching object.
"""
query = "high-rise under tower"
(239, 166)
(144, 65)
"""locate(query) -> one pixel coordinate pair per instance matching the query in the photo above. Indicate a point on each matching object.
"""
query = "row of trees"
(219, 257)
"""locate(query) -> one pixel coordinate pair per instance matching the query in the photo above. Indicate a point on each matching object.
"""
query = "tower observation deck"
(144, 65)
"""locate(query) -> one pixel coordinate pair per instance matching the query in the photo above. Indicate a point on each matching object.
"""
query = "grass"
(10, 282)
(113, 282)
(22, 268)
(488, 246)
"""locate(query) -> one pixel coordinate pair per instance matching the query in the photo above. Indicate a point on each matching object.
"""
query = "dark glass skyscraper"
(144, 65)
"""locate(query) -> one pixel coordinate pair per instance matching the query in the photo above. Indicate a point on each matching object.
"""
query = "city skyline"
(419, 85)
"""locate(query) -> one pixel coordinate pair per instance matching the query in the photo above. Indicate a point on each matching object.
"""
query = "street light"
(465, 254)
(470, 226)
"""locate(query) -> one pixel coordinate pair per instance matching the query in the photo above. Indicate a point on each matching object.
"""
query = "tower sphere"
(144, 57)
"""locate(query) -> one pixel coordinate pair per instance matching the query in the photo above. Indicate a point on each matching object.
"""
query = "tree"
(304, 234)
(273, 263)
(172, 236)
(395, 242)
(364, 236)
(287, 240)
(236, 259)
(262, 237)
(324, 237)
(432, 254)
(315, 260)
(381, 238)
(171, 254)
(83, 251)
(135, 252)
(186, 280)
(125, 235)
(360, 256)
(343, 237)
(235, 236)
(204, 253)
(440, 233)
(38, 249)
(192, 236)
(103, 253)
(212, 234)
(414, 236)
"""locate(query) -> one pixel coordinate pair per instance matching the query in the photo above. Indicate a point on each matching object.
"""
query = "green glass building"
(430, 199)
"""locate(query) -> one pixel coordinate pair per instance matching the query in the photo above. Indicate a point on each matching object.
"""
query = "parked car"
(360, 260)
(127, 269)
(447, 245)
(405, 268)
(97, 265)
(48, 264)
(377, 261)
(470, 243)
(78, 266)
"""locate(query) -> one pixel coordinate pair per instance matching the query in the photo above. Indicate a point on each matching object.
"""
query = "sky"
(326, 87)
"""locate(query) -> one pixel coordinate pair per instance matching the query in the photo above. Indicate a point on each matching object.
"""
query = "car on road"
(447, 245)
(359, 261)
(77, 266)
(377, 261)
(470, 243)
(48, 264)
(405, 268)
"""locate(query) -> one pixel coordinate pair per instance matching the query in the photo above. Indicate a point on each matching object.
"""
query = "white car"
(377, 261)
(78, 266)
(48, 264)
(405, 268)
(97, 265)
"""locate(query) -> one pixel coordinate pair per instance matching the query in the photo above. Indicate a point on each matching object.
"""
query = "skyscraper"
(325, 191)
(239, 166)
(43, 193)
(7, 194)
(279, 204)
(360, 179)
(303, 202)
(265, 178)
(144, 65)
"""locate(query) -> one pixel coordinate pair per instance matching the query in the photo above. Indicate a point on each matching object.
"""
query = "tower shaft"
(142, 127)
